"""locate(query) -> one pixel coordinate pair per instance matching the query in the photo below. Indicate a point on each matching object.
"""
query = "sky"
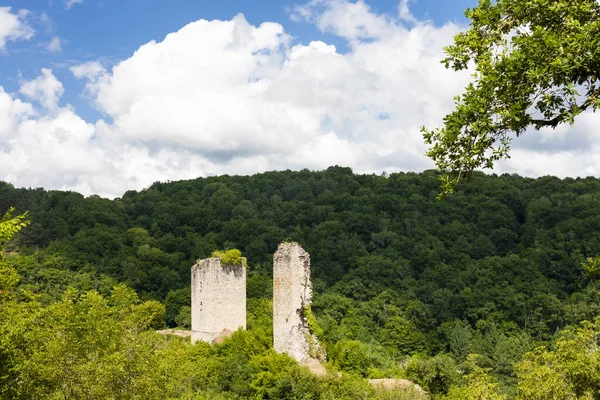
(102, 97)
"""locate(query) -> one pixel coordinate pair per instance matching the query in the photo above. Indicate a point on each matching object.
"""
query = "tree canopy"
(536, 64)
(404, 286)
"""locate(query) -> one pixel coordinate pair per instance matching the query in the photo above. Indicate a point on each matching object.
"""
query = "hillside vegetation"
(483, 292)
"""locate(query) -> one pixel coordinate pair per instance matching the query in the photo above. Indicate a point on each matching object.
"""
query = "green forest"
(490, 293)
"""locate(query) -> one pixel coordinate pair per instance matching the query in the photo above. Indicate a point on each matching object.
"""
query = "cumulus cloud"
(226, 90)
(50, 150)
(45, 90)
(12, 112)
(221, 97)
(13, 26)
(54, 45)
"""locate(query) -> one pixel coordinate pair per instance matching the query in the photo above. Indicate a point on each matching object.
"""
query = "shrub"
(231, 257)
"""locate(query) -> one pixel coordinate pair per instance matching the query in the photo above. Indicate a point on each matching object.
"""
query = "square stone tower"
(218, 299)
(292, 292)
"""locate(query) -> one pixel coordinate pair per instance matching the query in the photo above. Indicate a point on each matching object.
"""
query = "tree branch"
(539, 123)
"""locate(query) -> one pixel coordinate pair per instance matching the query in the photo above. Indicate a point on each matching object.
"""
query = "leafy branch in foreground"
(536, 64)
(10, 225)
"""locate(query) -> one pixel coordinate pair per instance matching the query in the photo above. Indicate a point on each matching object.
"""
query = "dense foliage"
(477, 292)
(536, 64)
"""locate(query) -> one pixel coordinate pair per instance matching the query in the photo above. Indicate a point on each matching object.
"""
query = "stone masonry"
(292, 292)
(218, 299)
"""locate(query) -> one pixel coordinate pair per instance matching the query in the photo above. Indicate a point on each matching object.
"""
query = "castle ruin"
(218, 299)
(292, 295)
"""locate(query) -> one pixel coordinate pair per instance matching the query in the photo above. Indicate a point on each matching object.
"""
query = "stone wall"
(292, 292)
(218, 299)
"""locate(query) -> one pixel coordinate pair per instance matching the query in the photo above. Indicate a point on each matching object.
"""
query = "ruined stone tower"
(218, 299)
(292, 294)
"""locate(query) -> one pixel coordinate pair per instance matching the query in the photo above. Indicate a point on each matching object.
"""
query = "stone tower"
(292, 292)
(218, 299)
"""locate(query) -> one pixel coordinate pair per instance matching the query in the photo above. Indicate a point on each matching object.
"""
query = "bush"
(230, 257)
(359, 357)
(435, 374)
(184, 318)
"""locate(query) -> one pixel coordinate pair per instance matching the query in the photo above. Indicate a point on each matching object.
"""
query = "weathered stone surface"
(315, 367)
(225, 333)
(292, 292)
(218, 299)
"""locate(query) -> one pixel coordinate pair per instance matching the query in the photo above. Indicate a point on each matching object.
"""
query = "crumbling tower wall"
(218, 299)
(292, 294)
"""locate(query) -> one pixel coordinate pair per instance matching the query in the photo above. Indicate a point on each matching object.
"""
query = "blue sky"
(106, 96)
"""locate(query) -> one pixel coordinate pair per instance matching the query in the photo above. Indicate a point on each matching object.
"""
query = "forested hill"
(392, 266)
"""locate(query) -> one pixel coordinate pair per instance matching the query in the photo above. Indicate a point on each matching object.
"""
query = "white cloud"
(12, 111)
(70, 3)
(564, 151)
(404, 12)
(90, 70)
(54, 46)
(45, 89)
(225, 90)
(353, 21)
(221, 97)
(13, 26)
(46, 22)
(51, 150)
